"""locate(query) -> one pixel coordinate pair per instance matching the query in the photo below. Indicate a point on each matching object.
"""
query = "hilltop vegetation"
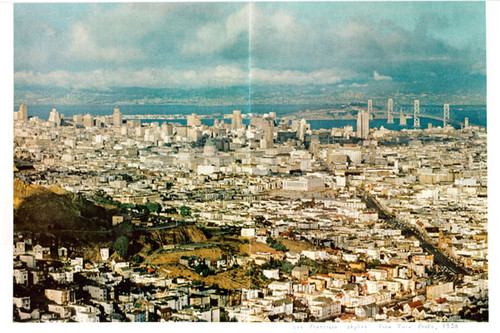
(64, 217)
(58, 213)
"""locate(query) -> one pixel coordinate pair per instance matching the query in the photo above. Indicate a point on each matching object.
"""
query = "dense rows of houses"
(269, 186)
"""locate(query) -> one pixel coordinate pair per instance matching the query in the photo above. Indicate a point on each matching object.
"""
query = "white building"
(309, 183)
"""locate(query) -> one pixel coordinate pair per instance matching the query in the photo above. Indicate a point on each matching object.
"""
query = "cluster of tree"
(121, 246)
(105, 199)
(373, 264)
(278, 246)
(203, 270)
(148, 207)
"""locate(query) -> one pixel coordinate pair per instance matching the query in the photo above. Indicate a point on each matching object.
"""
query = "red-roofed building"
(346, 318)
(408, 307)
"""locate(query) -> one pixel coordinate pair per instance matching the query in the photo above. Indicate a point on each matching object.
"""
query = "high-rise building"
(236, 121)
(88, 120)
(23, 112)
(303, 127)
(272, 115)
(78, 120)
(402, 117)
(193, 120)
(117, 117)
(54, 117)
(363, 124)
(268, 140)
(210, 149)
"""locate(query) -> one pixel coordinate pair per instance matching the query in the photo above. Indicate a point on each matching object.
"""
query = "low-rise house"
(323, 308)
(271, 273)
(409, 307)
(300, 273)
(199, 300)
(60, 296)
(21, 276)
(282, 306)
(41, 252)
(62, 253)
(20, 248)
(97, 292)
(367, 311)
(104, 252)
(38, 276)
(62, 277)
(22, 302)
(280, 288)
(439, 290)
(292, 257)
(29, 260)
(136, 316)
(61, 310)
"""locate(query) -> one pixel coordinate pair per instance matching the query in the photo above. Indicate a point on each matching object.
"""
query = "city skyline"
(423, 48)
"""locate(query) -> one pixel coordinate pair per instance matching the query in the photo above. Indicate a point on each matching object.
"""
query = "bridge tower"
(390, 106)
(370, 106)
(416, 112)
(446, 114)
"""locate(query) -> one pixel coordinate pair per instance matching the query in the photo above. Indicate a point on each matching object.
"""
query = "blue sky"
(193, 45)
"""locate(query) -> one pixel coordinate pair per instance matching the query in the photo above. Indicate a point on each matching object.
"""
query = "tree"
(142, 209)
(121, 246)
(170, 210)
(153, 207)
(185, 210)
(286, 267)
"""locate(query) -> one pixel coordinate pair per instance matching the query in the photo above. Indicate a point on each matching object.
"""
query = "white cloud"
(358, 85)
(215, 37)
(218, 76)
(85, 48)
(379, 77)
(283, 22)
(325, 76)
(113, 35)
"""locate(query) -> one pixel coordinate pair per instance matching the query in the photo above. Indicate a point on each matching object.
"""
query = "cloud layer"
(186, 45)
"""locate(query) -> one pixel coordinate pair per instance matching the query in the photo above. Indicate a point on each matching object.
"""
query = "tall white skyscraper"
(303, 127)
(54, 117)
(236, 121)
(23, 112)
(363, 125)
(402, 117)
(117, 117)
